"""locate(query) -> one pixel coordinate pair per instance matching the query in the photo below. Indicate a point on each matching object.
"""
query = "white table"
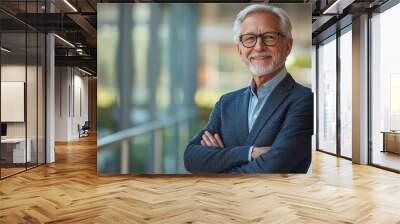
(19, 149)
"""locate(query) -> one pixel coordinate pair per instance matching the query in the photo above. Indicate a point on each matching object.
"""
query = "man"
(267, 126)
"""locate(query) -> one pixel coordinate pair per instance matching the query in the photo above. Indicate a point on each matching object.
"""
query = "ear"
(289, 45)
(238, 49)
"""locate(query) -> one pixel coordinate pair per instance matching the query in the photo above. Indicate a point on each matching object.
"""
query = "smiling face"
(262, 59)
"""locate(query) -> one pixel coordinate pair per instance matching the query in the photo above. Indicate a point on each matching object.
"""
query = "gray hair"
(284, 21)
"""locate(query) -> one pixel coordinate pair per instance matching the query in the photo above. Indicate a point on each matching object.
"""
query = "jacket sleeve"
(206, 159)
(292, 145)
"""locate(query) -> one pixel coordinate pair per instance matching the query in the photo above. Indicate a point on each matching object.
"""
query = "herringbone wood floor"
(70, 191)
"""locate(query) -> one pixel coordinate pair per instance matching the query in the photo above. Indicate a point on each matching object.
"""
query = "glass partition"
(327, 96)
(14, 148)
(22, 88)
(345, 93)
(385, 89)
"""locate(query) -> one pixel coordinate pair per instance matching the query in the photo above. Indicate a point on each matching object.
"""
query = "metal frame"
(0, 92)
(369, 98)
(26, 89)
(316, 97)
(37, 93)
(45, 90)
(44, 74)
(338, 98)
(381, 9)
(317, 93)
(339, 32)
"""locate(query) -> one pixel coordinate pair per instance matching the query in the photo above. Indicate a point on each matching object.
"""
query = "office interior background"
(356, 83)
(163, 67)
(44, 44)
(48, 84)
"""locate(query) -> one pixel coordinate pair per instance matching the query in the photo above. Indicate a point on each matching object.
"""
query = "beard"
(260, 68)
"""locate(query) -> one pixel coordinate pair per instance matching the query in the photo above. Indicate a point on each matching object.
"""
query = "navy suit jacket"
(285, 123)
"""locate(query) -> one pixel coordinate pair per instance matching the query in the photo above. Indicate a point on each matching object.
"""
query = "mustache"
(263, 54)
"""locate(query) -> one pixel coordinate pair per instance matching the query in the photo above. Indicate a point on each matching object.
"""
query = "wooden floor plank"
(70, 191)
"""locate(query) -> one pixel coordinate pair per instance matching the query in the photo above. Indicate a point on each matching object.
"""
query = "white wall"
(61, 103)
(33, 126)
(71, 94)
(16, 73)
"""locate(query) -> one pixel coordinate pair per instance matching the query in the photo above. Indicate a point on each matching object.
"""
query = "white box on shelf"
(19, 152)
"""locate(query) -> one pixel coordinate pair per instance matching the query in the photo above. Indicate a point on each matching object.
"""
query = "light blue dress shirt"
(257, 100)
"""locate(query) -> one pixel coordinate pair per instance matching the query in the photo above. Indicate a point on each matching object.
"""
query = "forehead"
(260, 22)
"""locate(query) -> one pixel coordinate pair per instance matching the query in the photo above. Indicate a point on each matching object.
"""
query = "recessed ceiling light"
(64, 40)
(338, 6)
(84, 71)
(5, 50)
(71, 6)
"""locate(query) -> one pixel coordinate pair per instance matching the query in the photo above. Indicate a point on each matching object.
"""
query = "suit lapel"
(274, 100)
(242, 104)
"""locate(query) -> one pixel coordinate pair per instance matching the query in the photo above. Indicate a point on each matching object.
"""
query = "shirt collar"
(269, 86)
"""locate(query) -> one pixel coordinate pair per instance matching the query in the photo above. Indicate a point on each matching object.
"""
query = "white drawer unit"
(18, 146)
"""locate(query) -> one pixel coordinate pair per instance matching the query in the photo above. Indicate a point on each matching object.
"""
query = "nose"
(259, 44)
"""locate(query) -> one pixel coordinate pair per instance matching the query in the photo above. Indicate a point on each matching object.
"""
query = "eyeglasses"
(268, 38)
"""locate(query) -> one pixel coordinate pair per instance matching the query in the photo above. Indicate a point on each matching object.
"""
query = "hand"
(257, 151)
(211, 140)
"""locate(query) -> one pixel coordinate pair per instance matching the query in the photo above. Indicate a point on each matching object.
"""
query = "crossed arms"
(208, 139)
(206, 152)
